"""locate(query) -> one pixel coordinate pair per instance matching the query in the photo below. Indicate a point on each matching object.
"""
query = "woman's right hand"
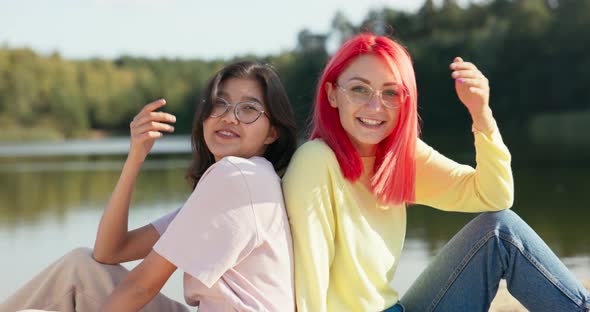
(146, 127)
(114, 242)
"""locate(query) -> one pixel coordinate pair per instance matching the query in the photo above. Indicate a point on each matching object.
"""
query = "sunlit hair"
(395, 165)
(277, 108)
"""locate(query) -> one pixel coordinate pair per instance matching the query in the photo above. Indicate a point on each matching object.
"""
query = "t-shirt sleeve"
(161, 224)
(309, 197)
(444, 184)
(215, 228)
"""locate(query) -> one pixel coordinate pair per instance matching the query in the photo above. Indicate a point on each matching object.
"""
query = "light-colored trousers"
(76, 282)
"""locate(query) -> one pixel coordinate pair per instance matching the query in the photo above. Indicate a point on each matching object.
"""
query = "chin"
(372, 141)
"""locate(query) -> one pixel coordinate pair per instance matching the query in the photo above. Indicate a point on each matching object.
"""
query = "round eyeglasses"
(245, 112)
(359, 93)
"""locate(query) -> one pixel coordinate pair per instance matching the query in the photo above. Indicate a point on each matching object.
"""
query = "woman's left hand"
(471, 85)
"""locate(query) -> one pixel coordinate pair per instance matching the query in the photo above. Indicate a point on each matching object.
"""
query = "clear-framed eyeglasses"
(359, 93)
(246, 112)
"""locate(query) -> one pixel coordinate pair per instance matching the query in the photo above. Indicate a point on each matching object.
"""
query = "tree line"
(532, 51)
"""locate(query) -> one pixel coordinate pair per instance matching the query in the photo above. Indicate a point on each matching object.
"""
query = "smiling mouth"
(370, 122)
(227, 134)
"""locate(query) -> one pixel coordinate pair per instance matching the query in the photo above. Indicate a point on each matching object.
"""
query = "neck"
(367, 174)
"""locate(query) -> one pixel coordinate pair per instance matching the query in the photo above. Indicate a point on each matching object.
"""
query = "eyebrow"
(368, 82)
(246, 98)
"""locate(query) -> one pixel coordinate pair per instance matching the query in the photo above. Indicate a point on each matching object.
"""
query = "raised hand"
(471, 85)
(473, 90)
(146, 127)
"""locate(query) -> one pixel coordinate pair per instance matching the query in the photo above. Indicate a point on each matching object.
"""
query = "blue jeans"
(464, 276)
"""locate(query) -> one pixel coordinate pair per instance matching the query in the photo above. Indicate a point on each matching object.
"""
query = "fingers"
(139, 120)
(459, 64)
(147, 114)
(149, 108)
(474, 74)
(466, 70)
(153, 126)
(478, 86)
(149, 135)
(150, 131)
(149, 124)
(152, 106)
(477, 83)
(152, 135)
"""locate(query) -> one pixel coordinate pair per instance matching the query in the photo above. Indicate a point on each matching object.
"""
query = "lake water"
(51, 204)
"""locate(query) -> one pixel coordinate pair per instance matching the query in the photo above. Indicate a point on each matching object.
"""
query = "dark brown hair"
(279, 111)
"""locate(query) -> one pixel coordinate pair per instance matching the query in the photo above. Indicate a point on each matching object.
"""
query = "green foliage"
(533, 52)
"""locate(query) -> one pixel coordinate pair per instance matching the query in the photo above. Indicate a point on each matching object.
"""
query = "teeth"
(227, 133)
(371, 122)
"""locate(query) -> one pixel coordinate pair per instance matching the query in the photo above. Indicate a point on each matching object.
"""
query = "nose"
(375, 102)
(230, 116)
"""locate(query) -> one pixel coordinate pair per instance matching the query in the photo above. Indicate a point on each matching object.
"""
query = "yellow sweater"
(347, 246)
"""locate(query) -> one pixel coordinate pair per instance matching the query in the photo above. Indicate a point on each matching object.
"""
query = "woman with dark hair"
(231, 237)
(347, 189)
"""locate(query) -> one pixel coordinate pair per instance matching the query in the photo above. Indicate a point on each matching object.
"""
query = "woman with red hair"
(346, 192)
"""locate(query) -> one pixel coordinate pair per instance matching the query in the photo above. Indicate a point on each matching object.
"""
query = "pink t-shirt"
(232, 239)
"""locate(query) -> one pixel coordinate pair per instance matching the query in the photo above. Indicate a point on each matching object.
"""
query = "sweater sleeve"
(308, 193)
(444, 184)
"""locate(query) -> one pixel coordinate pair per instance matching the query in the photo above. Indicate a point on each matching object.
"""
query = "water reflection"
(41, 188)
(554, 202)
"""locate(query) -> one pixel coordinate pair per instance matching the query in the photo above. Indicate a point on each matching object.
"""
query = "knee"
(79, 257)
(504, 220)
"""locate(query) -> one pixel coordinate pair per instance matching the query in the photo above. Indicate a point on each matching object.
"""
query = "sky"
(204, 29)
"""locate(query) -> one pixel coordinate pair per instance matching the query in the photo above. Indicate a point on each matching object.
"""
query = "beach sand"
(504, 302)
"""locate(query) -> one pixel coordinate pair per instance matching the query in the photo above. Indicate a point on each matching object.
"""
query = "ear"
(331, 93)
(272, 136)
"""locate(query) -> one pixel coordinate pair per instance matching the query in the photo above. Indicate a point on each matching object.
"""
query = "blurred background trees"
(533, 52)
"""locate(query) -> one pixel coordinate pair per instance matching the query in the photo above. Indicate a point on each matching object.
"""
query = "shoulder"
(423, 150)
(315, 147)
(312, 154)
(233, 169)
(314, 162)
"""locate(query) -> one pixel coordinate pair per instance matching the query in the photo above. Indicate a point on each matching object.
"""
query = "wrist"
(134, 159)
(483, 120)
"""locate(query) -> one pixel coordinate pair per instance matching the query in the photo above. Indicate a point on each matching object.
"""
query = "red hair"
(395, 164)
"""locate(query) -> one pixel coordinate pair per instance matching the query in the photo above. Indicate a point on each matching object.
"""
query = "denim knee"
(504, 220)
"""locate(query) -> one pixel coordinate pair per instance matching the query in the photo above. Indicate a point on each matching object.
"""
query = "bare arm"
(114, 242)
(141, 285)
